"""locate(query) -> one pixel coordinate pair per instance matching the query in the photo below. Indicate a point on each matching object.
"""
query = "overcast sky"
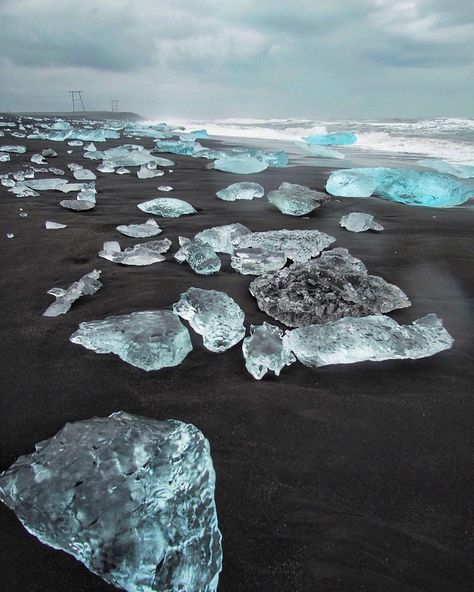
(240, 58)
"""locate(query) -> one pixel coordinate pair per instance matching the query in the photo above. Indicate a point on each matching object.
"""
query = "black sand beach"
(349, 478)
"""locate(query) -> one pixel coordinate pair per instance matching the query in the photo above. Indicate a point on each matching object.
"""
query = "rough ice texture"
(184, 148)
(256, 261)
(338, 138)
(374, 338)
(214, 315)
(296, 200)
(265, 351)
(148, 228)
(297, 245)
(77, 204)
(15, 149)
(88, 284)
(168, 207)
(130, 497)
(245, 190)
(200, 256)
(240, 163)
(350, 183)
(221, 238)
(128, 155)
(463, 171)
(84, 175)
(44, 184)
(146, 173)
(333, 286)
(360, 222)
(141, 254)
(149, 340)
(53, 225)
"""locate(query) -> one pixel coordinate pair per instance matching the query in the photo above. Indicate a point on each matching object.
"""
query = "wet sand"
(348, 478)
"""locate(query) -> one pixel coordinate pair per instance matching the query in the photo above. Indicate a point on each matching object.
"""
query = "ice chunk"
(194, 135)
(265, 351)
(38, 159)
(79, 205)
(374, 338)
(333, 286)
(185, 148)
(56, 171)
(148, 228)
(75, 143)
(66, 187)
(350, 183)
(221, 238)
(106, 168)
(168, 207)
(84, 175)
(10, 235)
(4, 157)
(241, 164)
(462, 171)
(165, 188)
(321, 151)
(88, 192)
(297, 245)
(200, 255)
(88, 284)
(49, 153)
(241, 191)
(296, 200)
(141, 254)
(122, 171)
(130, 497)
(73, 166)
(214, 315)
(14, 149)
(256, 261)
(340, 138)
(147, 173)
(54, 225)
(90, 147)
(44, 184)
(359, 222)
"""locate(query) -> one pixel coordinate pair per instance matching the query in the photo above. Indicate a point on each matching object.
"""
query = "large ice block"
(200, 256)
(338, 138)
(256, 261)
(296, 200)
(360, 222)
(168, 207)
(241, 164)
(243, 190)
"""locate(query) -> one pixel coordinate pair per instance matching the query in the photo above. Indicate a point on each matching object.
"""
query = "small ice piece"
(21, 190)
(165, 188)
(359, 222)
(333, 286)
(265, 351)
(221, 238)
(339, 138)
(141, 254)
(74, 166)
(84, 175)
(122, 171)
(75, 143)
(373, 338)
(148, 228)
(69, 151)
(90, 147)
(79, 205)
(149, 340)
(4, 157)
(88, 192)
(296, 200)
(15, 149)
(241, 164)
(256, 261)
(214, 315)
(200, 256)
(145, 172)
(38, 159)
(178, 147)
(88, 284)
(243, 190)
(56, 171)
(49, 153)
(53, 225)
(297, 245)
(23, 214)
(104, 167)
(130, 497)
(194, 135)
(10, 235)
(168, 207)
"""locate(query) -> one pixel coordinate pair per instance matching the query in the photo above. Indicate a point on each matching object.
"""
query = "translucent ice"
(141, 254)
(296, 200)
(10, 235)
(200, 256)
(350, 183)
(333, 286)
(90, 147)
(88, 284)
(340, 138)
(146, 173)
(54, 225)
(221, 238)
(38, 159)
(375, 338)
(322, 151)
(165, 188)
(214, 315)
(79, 205)
(84, 175)
(148, 228)
(240, 163)
(128, 155)
(462, 171)
(44, 184)
(183, 148)
(168, 207)
(256, 261)
(15, 149)
(130, 497)
(4, 157)
(243, 190)
(265, 351)
(359, 222)
(122, 171)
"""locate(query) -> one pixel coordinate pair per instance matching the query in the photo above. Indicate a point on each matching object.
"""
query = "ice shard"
(141, 254)
(88, 284)
(296, 200)
(148, 228)
(256, 261)
(200, 256)
(241, 164)
(243, 190)
(214, 315)
(130, 497)
(50, 184)
(13, 149)
(333, 286)
(360, 222)
(168, 207)
(338, 138)
(264, 351)
(221, 238)
(194, 135)
(79, 205)
(350, 183)
(53, 225)
(84, 175)
(373, 338)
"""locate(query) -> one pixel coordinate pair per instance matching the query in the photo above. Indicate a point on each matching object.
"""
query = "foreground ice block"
(243, 190)
(168, 207)
(214, 315)
(350, 183)
(264, 351)
(297, 245)
(256, 261)
(149, 340)
(296, 200)
(221, 238)
(88, 284)
(374, 338)
(241, 164)
(338, 138)
(141, 254)
(200, 256)
(360, 222)
(130, 497)
(148, 228)
(333, 286)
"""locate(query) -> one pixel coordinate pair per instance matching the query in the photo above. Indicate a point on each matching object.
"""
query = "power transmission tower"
(76, 96)
(114, 105)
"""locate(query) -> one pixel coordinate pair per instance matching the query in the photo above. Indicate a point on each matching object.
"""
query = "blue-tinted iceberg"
(338, 138)
(168, 207)
(350, 183)
(221, 238)
(241, 164)
(296, 200)
(88, 284)
(245, 190)
(200, 256)
(463, 171)
(183, 148)
(360, 222)
(264, 351)
(194, 135)
(132, 498)
(145, 230)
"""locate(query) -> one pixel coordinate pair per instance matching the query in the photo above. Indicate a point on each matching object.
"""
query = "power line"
(76, 96)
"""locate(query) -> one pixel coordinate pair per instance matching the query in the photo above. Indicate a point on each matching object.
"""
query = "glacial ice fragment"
(168, 207)
(243, 190)
(53, 225)
(321, 151)
(148, 228)
(130, 497)
(38, 159)
(183, 148)
(4, 157)
(88, 284)
(360, 222)
(338, 138)
(84, 175)
(256, 261)
(241, 164)
(90, 147)
(122, 171)
(146, 173)
(14, 149)
(296, 200)
(463, 171)
(221, 238)
(200, 256)
(214, 315)
(44, 184)
(141, 254)
(165, 188)
(264, 350)
(350, 183)
(10, 235)
(79, 205)
(194, 135)
(333, 286)
(374, 338)
(49, 153)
